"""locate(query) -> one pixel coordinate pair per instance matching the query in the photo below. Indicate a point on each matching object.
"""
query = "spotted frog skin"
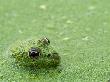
(38, 53)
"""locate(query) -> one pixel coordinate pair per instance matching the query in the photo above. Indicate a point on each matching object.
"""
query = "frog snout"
(55, 56)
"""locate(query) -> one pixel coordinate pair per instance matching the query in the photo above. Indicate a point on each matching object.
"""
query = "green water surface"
(78, 29)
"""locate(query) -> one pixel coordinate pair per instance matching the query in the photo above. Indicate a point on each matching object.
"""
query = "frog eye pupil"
(34, 53)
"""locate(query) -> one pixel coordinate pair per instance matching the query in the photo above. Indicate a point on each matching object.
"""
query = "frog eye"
(34, 52)
(46, 41)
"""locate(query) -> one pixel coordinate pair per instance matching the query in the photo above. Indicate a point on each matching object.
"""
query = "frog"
(37, 53)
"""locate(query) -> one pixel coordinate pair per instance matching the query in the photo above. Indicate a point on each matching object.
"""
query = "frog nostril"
(34, 52)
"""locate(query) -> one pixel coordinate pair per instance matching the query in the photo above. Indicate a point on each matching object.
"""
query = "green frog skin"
(34, 52)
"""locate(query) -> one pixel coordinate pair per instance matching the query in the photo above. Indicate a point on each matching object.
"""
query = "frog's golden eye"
(34, 52)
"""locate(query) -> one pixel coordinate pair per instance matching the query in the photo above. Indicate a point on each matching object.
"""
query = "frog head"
(34, 52)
